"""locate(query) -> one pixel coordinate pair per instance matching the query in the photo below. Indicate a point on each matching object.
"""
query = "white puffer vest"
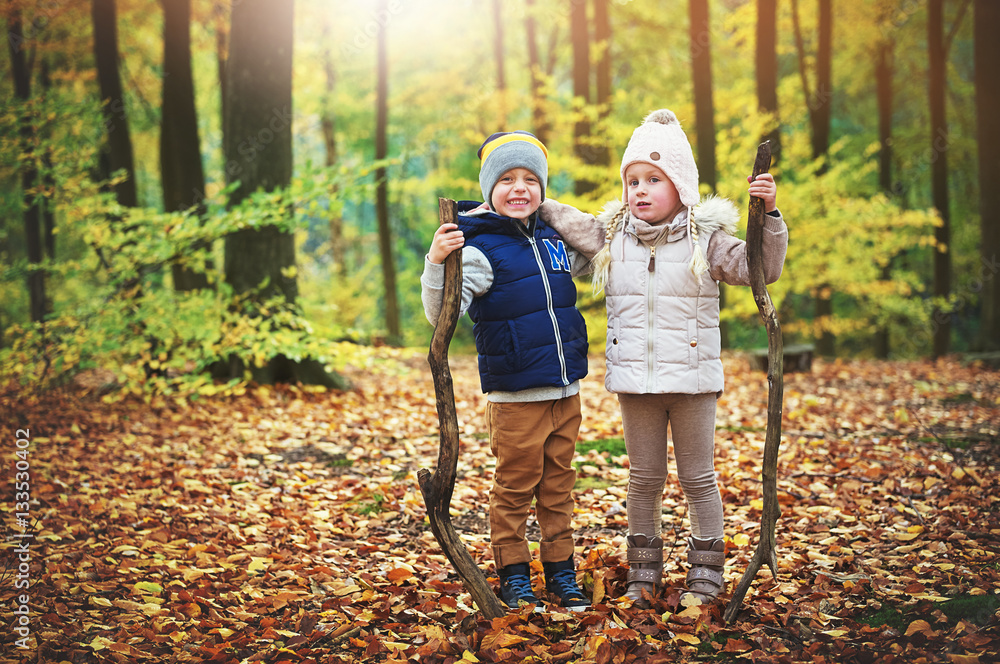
(663, 325)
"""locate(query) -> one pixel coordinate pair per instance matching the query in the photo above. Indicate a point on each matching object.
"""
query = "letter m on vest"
(558, 255)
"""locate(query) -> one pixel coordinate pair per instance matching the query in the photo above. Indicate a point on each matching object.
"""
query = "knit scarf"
(654, 235)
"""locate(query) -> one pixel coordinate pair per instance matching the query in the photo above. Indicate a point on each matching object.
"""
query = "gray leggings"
(692, 424)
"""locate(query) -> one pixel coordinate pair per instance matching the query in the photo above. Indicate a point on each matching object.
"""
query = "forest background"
(198, 197)
(248, 188)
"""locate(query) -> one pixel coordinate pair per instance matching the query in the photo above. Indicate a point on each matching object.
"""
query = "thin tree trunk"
(986, 55)
(498, 21)
(539, 120)
(552, 55)
(941, 319)
(884, 67)
(180, 148)
(329, 124)
(21, 71)
(767, 69)
(115, 112)
(220, 16)
(48, 207)
(581, 91)
(48, 181)
(883, 86)
(823, 100)
(382, 186)
(701, 74)
(819, 105)
(602, 42)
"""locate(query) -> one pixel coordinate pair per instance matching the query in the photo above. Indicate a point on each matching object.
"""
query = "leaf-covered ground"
(286, 525)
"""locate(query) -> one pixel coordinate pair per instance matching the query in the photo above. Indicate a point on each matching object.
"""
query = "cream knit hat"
(660, 141)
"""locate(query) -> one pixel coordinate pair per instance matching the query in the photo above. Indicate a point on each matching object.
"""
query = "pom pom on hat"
(661, 141)
(663, 116)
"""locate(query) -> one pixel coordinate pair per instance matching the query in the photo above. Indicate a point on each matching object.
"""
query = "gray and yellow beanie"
(511, 149)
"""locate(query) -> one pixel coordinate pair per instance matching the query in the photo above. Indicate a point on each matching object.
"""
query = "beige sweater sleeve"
(727, 255)
(582, 231)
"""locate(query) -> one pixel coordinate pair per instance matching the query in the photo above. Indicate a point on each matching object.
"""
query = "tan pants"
(534, 443)
(691, 418)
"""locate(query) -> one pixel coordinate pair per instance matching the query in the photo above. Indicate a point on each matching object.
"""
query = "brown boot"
(704, 581)
(645, 568)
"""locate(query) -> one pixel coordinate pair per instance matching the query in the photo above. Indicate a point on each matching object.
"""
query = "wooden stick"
(766, 552)
(438, 488)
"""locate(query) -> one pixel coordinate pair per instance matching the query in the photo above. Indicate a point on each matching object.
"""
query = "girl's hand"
(764, 188)
(447, 238)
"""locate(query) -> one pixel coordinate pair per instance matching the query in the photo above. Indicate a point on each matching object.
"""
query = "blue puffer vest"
(528, 330)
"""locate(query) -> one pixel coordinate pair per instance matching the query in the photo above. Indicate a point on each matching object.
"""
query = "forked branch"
(437, 488)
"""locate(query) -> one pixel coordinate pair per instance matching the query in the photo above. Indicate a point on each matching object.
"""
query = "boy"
(517, 285)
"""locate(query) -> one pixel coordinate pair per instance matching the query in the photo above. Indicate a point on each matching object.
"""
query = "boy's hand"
(447, 238)
(764, 188)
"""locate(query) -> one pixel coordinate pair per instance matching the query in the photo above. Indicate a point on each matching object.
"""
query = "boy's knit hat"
(660, 141)
(511, 149)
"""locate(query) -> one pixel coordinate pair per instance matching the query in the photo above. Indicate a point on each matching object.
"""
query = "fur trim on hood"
(712, 214)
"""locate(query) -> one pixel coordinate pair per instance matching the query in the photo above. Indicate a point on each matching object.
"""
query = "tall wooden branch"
(766, 551)
(437, 488)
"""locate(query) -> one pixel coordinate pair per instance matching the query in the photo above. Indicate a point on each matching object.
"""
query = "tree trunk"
(987, 54)
(883, 86)
(819, 105)
(437, 489)
(329, 125)
(766, 552)
(119, 153)
(48, 181)
(822, 102)
(767, 69)
(701, 74)
(538, 117)
(382, 186)
(941, 319)
(257, 148)
(498, 20)
(581, 91)
(220, 16)
(21, 71)
(258, 140)
(602, 42)
(180, 149)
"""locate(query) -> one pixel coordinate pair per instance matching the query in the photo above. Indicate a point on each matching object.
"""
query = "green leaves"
(126, 316)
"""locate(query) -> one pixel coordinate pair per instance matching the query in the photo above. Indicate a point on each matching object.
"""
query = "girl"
(659, 256)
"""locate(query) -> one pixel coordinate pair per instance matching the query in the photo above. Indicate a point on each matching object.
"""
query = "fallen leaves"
(285, 525)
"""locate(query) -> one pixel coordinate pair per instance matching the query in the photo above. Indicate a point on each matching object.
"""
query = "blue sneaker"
(515, 587)
(560, 580)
